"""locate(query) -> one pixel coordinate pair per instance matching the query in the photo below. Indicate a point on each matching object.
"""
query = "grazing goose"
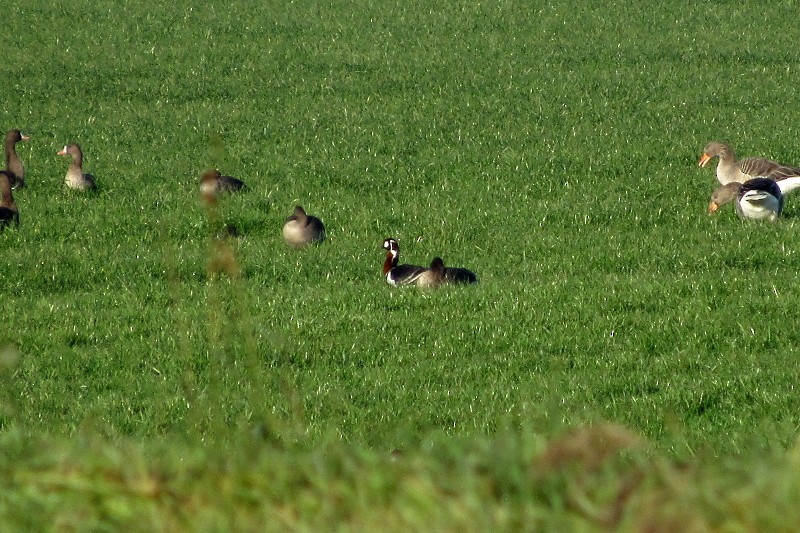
(75, 178)
(8, 207)
(213, 183)
(398, 274)
(756, 199)
(13, 163)
(301, 229)
(730, 169)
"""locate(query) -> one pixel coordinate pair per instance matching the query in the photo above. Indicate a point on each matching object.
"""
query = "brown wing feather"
(783, 172)
(757, 166)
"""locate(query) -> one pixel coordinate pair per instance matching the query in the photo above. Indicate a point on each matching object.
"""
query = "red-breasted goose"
(756, 199)
(213, 183)
(399, 274)
(8, 207)
(13, 163)
(301, 229)
(730, 169)
(75, 178)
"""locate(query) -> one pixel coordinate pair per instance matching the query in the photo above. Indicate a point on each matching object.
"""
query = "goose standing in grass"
(399, 274)
(213, 183)
(75, 178)
(13, 163)
(301, 229)
(8, 207)
(730, 169)
(756, 199)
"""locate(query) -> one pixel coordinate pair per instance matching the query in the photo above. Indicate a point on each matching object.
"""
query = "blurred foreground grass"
(592, 478)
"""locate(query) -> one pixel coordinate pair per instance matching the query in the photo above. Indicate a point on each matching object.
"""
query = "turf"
(549, 147)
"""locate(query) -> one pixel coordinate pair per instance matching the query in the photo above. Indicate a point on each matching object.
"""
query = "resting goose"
(756, 199)
(438, 274)
(433, 276)
(13, 163)
(8, 207)
(730, 169)
(399, 274)
(213, 183)
(459, 275)
(301, 229)
(75, 178)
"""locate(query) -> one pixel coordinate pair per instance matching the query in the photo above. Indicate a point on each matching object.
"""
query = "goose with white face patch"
(394, 273)
(730, 169)
(13, 163)
(756, 199)
(75, 177)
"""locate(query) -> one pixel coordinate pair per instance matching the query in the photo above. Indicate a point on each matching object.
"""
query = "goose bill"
(704, 159)
(712, 207)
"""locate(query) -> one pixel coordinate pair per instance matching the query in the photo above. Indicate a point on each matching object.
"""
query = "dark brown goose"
(75, 178)
(438, 274)
(730, 169)
(13, 163)
(213, 183)
(8, 207)
(399, 274)
(301, 229)
(433, 276)
(459, 275)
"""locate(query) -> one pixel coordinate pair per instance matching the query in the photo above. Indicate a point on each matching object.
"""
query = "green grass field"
(155, 378)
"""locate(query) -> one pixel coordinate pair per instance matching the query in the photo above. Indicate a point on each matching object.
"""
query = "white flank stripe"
(789, 184)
